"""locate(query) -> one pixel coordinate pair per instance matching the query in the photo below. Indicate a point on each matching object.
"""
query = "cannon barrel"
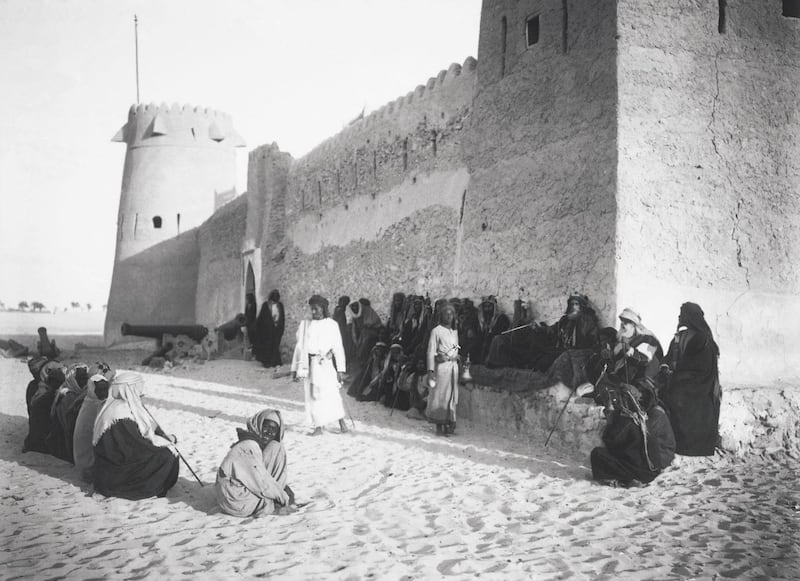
(46, 347)
(196, 332)
(230, 329)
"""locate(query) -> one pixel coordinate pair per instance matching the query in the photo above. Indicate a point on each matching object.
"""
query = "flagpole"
(136, 40)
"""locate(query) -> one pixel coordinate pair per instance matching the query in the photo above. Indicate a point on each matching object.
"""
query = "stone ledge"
(753, 420)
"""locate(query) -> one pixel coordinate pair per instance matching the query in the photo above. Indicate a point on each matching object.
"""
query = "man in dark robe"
(692, 394)
(414, 326)
(634, 358)
(62, 420)
(394, 324)
(468, 329)
(638, 439)
(51, 376)
(35, 365)
(270, 325)
(537, 346)
(345, 329)
(576, 329)
(367, 328)
(491, 323)
(250, 317)
(367, 386)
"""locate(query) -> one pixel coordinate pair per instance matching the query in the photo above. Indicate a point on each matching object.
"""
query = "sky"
(290, 71)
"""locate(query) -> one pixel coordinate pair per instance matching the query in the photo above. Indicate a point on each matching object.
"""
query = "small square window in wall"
(791, 8)
(156, 221)
(532, 30)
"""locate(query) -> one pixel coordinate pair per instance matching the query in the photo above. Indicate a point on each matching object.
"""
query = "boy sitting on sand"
(251, 481)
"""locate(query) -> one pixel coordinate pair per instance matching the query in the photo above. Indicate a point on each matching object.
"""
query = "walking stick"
(394, 401)
(515, 329)
(176, 447)
(558, 419)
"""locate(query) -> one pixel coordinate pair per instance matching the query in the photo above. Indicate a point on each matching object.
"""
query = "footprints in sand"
(394, 502)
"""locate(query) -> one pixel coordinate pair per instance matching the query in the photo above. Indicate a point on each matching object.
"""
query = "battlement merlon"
(448, 90)
(152, 125)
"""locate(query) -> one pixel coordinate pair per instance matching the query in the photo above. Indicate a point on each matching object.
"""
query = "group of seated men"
(386, 360)
(624, 369)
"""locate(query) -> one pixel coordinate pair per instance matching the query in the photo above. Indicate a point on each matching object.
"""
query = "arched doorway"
(249, 280)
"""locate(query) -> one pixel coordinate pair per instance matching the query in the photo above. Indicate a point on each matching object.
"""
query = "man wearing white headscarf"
(633, 360)
(96, 394)
(134, 458)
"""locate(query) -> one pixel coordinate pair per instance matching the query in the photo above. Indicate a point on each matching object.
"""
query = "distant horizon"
(17, 323)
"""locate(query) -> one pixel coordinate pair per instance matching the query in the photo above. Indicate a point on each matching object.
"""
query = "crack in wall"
(713, 119)
(735, 238)
(735, 230)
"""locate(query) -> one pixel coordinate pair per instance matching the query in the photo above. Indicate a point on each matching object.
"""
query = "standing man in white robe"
(320, 361)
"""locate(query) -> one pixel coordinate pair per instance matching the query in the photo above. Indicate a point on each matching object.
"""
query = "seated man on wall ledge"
(538, 345)
(634, 358)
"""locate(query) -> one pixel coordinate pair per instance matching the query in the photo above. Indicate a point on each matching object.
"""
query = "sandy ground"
(388, 501)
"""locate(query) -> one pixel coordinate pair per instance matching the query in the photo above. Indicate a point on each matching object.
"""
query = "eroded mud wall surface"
(709, 176)
(539, 219)
(372, 210)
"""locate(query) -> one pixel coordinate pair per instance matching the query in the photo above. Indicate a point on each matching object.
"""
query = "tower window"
(532, 30)
(791, 8)
(156, 221)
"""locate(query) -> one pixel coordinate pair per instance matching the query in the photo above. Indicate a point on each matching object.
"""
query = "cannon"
(232, 328)
(194, 332)
(46, 346)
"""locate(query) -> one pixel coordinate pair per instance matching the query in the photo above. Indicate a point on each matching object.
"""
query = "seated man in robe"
(468, 327)
(134, 458)
(35, 365)
(388, 391)
(537, 346)
(491, 323)
(366, 330)
(638, 439)
(414, 325)
(394, 324)
(252, 478)
(367, 386)
(51, 376)
(96, 393)
(62, 420)
(634, 359)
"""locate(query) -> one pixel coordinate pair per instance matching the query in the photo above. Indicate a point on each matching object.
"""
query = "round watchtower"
(179, 161)
(180, 165)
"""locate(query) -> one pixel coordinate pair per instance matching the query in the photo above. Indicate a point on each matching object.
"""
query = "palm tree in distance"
(37, 306)
(22, 305)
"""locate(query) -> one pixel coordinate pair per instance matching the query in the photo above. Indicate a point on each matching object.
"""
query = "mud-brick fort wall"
(709, 175)
(539, 219)
(220, 275)
(374, 209)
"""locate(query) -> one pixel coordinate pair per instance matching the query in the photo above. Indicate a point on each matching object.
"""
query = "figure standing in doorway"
(269, 329)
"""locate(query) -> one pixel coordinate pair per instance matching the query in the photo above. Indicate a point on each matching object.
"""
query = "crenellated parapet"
(418, 132)
(157, 125)
(444, 94)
